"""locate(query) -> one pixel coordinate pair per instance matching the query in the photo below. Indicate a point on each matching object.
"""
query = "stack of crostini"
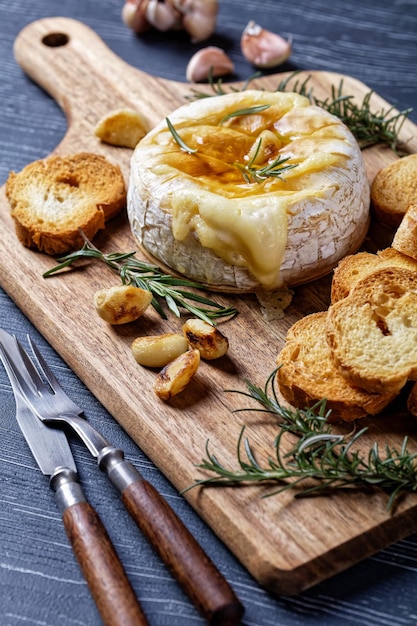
(362, 351)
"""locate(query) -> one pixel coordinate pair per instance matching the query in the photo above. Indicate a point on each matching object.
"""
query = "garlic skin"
(208, 61)
(263, 48)
(198, 17)
(133, 15)
(162, 16)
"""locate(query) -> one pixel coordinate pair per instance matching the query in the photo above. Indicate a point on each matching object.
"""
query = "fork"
(176, 546)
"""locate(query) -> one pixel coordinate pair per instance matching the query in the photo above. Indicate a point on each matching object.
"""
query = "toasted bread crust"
(412, 400)
(394, 189)
(405, 238)
(372, 333)
(51, 199)
(355, 267)
(308, 374)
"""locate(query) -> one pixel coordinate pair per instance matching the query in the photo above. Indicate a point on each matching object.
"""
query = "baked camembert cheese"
(249, 190)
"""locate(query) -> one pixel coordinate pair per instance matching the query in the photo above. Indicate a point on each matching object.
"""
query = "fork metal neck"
(91, 438)
(120, 472)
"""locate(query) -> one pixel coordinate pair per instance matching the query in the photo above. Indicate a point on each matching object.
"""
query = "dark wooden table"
(40, 583)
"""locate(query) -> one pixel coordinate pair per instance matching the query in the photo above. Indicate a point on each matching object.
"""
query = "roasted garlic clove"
(207, 339)
(264, 148)
(262, 48)
(175, 376)
(158, 350)
(121, 304)
(198, 17)
(123, 127)
(208, 61)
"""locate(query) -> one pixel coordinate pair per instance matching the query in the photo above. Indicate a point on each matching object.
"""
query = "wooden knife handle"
(184, 557)
(101, 567)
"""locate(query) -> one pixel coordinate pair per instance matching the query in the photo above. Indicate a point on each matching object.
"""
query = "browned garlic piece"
(207, 339)
(123, 127)
(262, 48)
(175, 376)
(208, 61)
(197, 17)
(121, 304)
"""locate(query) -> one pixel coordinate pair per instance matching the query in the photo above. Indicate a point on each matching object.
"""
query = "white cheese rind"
(323, 218)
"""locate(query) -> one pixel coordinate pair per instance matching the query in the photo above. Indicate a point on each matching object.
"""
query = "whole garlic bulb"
(197, 17)
(262, 48)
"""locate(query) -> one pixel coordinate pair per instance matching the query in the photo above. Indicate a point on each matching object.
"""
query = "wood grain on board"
(287, 544)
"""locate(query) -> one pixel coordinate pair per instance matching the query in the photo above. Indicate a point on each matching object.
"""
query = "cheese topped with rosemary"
(249, 189)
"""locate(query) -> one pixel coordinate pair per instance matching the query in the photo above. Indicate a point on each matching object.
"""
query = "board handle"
(98, 560)
(179, 550)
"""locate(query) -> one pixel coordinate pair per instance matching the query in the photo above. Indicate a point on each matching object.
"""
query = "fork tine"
(55, 386)
(14, 371)
(31, 369)
(44, 367)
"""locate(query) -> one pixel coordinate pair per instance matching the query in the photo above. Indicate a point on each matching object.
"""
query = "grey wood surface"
(40, 583)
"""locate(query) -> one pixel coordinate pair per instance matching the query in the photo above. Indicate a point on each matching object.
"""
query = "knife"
(176, 546)
(101, 567)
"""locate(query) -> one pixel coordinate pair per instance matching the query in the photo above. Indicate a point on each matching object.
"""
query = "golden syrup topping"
(238, 198)
(240, 154)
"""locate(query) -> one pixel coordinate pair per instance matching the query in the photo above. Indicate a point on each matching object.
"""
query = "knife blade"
(98, 560)
(184, 557)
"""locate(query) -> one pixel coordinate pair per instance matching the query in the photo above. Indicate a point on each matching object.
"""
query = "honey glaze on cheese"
(214, 194)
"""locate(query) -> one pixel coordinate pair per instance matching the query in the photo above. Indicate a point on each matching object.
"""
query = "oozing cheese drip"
(245, 223)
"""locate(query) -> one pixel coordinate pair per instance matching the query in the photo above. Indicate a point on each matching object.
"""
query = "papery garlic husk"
(133, 15)
(263, 48)
(162, 16)
(210, 61)
(198, 17)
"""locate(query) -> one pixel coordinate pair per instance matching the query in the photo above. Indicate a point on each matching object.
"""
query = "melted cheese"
(249, 233)
(210, 196)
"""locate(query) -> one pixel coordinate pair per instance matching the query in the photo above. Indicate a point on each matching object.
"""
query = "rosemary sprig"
(147, 276)
(178, 139)
(369, 127)
(327, 460)
(217, 87)
(273, 169)
(248, 111)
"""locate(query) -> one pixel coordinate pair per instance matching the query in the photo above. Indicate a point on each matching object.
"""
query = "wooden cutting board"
(287, 544)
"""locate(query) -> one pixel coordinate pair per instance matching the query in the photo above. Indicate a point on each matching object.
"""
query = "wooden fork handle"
(176, 546)
(99, 563)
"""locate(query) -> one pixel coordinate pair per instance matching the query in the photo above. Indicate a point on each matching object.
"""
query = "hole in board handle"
(55, 40)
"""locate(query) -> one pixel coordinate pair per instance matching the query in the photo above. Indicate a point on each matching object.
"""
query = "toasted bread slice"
(405, 238)
(372, 333)
(353, 268)
(394, 189)
(308, 374)
(53, 198)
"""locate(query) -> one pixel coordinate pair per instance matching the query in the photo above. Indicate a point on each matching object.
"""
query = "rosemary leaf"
(147, 276)
(327, 460)
(248, 111)
(178, 139)
(217, 87)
